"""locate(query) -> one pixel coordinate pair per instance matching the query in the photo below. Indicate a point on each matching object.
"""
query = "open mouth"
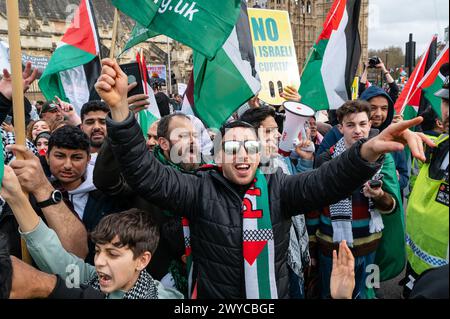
(104, 279)
(242, 169)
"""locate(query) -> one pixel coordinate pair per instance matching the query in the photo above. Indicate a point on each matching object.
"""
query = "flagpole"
(12, 8)
(114, 33)
(169, 62)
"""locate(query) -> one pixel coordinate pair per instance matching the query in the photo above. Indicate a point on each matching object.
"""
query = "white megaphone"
(297, 115)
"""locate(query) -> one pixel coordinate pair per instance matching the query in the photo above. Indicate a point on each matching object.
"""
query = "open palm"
(342, 281)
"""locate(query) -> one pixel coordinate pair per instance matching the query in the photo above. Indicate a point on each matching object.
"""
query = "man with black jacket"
(228, 236)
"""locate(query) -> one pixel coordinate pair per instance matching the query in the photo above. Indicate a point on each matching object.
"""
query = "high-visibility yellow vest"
(427, 220)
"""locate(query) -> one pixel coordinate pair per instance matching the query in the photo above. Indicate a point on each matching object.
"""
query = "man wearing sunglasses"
(263, 120)
(239, 219)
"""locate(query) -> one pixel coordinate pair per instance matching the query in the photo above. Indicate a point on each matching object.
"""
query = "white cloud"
(391, 22)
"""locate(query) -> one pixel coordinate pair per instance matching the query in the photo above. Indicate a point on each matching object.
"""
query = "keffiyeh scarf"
(144, 288)
(341, 212)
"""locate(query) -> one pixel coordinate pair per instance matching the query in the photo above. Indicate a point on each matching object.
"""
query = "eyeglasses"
(233, 147)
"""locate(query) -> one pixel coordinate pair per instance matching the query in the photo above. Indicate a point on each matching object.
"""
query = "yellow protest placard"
(355, 89)
(276, 60)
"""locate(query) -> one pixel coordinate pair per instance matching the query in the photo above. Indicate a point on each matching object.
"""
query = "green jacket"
(391, 255)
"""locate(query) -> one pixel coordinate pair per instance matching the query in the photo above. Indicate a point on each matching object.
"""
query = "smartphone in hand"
(133, 72)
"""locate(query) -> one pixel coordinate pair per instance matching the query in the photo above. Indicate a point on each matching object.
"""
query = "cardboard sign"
(276, 60)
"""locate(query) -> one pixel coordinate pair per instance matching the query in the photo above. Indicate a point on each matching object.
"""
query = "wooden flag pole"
(114, 34)
(12, 7)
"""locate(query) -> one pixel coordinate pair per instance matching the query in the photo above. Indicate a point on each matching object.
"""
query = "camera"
(373, 62)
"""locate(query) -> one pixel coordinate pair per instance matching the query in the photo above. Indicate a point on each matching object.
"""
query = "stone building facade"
(44, 22)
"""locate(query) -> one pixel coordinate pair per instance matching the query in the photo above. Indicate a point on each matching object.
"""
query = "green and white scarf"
(258, 242)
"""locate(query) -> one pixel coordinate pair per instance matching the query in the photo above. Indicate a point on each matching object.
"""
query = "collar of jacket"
(158, 152)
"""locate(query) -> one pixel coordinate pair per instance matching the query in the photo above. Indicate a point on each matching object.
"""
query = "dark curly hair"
(69, 137)
(93, 106)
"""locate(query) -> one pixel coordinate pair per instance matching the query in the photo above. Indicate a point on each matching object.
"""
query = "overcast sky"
(391, 21)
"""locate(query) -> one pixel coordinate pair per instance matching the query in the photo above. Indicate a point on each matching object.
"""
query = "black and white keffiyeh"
(10, 139)
(8, 157)
(144, 288)
(341, 213)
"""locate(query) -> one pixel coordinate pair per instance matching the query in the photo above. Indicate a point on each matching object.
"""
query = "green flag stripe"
(146, 119)
(434, 100)
(263, 202)
(409, 113)
(312, 88)
(263, 270)
(65, 58)
(263, 223)
(227, 94)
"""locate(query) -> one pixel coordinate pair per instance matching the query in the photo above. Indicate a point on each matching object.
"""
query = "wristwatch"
(54, 199)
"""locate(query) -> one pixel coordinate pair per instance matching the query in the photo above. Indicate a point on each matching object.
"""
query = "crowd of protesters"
(180, 213)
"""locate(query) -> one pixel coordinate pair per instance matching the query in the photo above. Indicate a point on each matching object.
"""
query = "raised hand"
(28, 75)
(305, 148)
(112, 86)
(342, 281)
(29, 170)
(9, 128)
(11, 189)
(394, 138)
(68, 111)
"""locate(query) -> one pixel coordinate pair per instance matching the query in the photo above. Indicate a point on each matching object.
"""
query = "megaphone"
(297, 115)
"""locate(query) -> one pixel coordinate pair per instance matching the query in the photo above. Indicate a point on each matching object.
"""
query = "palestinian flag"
(222, 85)
(434, 80)
(203, 25)
(147, 117)
(408, 103)
(75, 66)
(332, 63)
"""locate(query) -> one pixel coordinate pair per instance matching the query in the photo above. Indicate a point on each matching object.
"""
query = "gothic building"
(307, 18)
(44, 22)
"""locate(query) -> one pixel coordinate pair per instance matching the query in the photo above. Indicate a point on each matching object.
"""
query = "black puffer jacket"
(215, 209)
